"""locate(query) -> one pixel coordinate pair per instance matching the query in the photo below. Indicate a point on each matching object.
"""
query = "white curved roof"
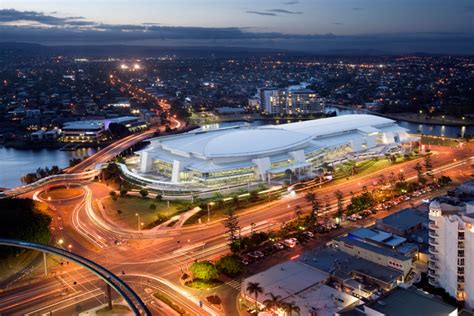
(246, 142)
(336, 124)
(253, 142)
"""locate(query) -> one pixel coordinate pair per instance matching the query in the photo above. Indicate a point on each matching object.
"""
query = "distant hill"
(132, 51)
(127, 51)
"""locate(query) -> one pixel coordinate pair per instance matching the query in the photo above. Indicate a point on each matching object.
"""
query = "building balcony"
(433, 234)
(433, 281)
(434, 258)
(433, 241)
(461, 245)
(432, 273)
(433, 265)
(433, 226)
(434, 249)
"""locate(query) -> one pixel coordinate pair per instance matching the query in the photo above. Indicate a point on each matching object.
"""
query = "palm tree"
(298, 211)
(255, 289)
(311, 198)
(292, 307)
(273, 301)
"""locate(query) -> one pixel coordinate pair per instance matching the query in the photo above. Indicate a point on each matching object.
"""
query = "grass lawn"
(368, 167)
(440, 141)
(168, 301)
(13, 264)
(131, 205)
(62, 193)
(116, 309)
(200, 284)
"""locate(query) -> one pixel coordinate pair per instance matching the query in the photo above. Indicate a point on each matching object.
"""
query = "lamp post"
(209, 211)
(139, 222)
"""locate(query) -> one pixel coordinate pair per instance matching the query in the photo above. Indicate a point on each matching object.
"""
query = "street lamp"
(209, 211)
(139, 222)
(69, 247)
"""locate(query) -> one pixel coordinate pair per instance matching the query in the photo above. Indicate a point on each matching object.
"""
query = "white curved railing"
(49, 179)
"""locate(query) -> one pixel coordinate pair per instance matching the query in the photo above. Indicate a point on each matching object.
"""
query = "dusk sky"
(311, 25)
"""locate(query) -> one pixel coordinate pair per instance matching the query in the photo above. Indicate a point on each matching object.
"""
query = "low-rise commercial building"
(352, 274)
(403, 302)
(83, 131)
(298, 283)
(93, 131)
(383, 248)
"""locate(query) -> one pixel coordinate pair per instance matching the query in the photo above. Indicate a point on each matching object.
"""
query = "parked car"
(279, 246)
(290, 242)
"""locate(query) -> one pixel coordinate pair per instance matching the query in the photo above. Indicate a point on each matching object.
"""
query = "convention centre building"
(250, 154)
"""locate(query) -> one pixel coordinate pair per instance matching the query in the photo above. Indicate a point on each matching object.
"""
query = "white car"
(290, 242)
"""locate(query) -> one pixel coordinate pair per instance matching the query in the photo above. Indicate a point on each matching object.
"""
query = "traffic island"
(61, 193)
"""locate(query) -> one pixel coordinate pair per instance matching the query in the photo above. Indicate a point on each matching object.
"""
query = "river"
(15, 163)
(427, 129)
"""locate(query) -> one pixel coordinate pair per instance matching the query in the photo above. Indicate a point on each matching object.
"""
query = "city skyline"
(314, 26)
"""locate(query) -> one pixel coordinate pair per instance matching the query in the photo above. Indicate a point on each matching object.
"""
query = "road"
(157, 263)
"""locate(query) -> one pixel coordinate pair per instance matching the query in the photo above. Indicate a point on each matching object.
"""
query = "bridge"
(135, 303)
(87, 169)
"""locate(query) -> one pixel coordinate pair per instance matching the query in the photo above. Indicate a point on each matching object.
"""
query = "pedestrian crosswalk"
(236, 284)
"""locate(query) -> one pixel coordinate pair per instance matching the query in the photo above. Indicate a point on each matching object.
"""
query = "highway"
(155, 262)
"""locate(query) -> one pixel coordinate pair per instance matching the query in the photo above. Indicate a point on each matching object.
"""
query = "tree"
(158, 197)
(123, 192)
(392, 180)
(382, 180)
(291, 307)
(340, 203)
(311, 197)
(144, 193)
(204, 270)
(274, 302)
(298, 212)
(230, 265)
(401, 177)
(419, 173)
(29, 178)
(360, 203)
(23, 219)
(152, 207)
(429, 166)
(235, 200)
(253, 196)
(444, 180)
(327, 205)
(231, 222)
(254, 288)
(113, 194)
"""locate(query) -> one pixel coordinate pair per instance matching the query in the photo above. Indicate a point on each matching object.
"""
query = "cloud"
(261, 13)
(290, 2)
(69, 31)
(284, 11)
(11, 15)
(358, 9)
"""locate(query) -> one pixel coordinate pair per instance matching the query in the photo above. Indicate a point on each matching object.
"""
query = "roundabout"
(61, 193)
